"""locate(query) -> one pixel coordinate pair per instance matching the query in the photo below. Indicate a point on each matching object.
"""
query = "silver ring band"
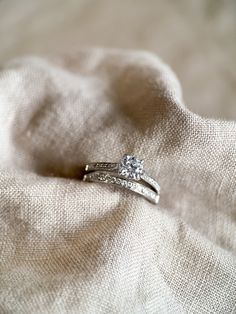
(112, 178)
(114, 167)
(124, 174)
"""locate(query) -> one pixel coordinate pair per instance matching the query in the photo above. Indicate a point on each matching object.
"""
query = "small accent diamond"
(131, 167)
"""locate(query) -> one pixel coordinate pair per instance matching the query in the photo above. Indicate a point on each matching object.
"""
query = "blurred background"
(197, 38)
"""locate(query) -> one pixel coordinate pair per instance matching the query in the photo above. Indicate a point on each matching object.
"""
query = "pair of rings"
(129, 173)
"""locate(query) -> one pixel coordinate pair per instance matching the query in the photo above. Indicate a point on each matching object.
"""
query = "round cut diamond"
(131, 167)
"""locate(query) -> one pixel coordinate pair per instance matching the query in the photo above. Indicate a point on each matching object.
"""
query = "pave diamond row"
(109, 166)
(103, 177)
(108, 178)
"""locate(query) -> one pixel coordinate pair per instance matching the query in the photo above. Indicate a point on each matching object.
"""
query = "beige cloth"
(69, 246)
(195, 37)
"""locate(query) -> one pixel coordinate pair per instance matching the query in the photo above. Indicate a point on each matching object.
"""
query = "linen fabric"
(69, 246)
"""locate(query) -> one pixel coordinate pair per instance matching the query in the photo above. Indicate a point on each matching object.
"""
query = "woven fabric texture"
(69, 246)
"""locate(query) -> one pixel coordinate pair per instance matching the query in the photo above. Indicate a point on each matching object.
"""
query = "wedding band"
(125, 174)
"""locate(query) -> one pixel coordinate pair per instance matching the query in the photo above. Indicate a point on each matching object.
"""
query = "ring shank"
(111, 166)
(113, 178)
(152, 194)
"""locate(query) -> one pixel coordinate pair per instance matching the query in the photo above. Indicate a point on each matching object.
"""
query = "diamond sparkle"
(131, 167)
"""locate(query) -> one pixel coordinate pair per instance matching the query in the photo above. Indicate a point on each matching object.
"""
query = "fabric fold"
(69, 246)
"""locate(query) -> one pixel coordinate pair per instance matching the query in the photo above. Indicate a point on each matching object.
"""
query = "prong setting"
(131, 167)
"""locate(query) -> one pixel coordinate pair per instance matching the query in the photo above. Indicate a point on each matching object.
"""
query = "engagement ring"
(129, 173)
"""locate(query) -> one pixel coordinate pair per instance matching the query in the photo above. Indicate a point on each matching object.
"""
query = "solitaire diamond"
(131, 167)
